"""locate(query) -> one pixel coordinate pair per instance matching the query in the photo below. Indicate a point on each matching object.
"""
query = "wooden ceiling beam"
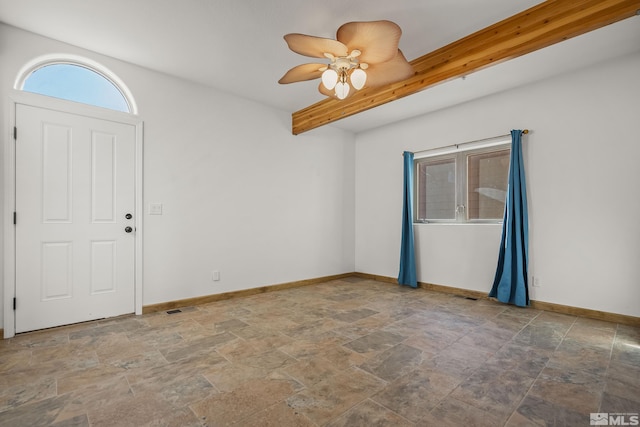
(536, 28)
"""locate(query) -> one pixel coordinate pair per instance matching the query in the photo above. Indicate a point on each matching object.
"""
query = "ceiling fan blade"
(314, 47)
(302, 72)
(326, 92)
(377, 40)
(389, 72)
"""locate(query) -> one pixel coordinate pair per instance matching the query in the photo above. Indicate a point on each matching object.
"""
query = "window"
(75, 78)
(462, 185)
(76, 83)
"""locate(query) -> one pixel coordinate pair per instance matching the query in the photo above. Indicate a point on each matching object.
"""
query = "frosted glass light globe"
(329, 78)
(358, 78)
(342, 90)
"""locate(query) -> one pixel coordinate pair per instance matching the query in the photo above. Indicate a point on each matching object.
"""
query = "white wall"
(583, 178)
(240, 193)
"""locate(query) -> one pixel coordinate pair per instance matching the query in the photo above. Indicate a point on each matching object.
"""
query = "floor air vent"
(465, 297)
(177, 310)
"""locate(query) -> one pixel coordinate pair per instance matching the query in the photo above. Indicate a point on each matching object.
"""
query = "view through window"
(76, 83)
(464, 186)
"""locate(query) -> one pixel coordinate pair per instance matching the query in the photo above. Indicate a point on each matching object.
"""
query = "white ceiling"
(237, 45)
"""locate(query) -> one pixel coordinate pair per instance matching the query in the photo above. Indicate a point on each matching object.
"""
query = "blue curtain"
(510, 284)
(407, 275)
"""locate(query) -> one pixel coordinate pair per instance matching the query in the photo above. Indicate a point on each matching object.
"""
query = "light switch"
(155, 208)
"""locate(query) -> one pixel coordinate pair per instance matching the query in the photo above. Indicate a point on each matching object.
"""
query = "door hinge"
(15, 132)
(15, 218)
(14, 303)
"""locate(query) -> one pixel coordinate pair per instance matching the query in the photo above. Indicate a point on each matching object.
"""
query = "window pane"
(76, 83)
(436, 186)
(487, 177)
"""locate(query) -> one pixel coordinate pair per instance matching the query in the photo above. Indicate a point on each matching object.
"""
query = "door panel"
(56, 269)
(103, 175)
(57, 194)
(75, 182)
(103, 267)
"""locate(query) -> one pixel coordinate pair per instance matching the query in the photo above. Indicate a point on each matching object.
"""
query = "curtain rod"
(525, 131)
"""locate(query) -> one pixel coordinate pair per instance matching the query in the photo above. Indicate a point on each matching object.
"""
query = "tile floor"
(350, 352)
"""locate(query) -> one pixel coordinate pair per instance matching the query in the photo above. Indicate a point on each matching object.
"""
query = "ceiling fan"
(364, 54)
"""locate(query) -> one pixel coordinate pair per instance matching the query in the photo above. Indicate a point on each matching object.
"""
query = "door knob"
(128, 216)
(128, 229)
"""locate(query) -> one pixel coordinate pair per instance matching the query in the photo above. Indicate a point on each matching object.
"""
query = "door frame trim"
(9, 203)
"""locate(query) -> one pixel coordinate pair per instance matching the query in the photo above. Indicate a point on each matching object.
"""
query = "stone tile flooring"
(350, 352)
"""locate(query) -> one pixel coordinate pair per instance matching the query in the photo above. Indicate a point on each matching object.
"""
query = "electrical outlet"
(536, 282)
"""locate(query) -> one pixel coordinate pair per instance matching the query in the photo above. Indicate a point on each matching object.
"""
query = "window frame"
(460, 154)
(79, 61)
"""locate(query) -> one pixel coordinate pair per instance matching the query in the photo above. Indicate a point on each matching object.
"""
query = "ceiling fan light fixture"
(358, 78)
(340, 72)
(357, 45)
(329, 78)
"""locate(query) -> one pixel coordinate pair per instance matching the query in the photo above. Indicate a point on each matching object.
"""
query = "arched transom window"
(78, 80)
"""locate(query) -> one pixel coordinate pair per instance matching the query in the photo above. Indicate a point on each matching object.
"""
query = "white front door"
(75, 218)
